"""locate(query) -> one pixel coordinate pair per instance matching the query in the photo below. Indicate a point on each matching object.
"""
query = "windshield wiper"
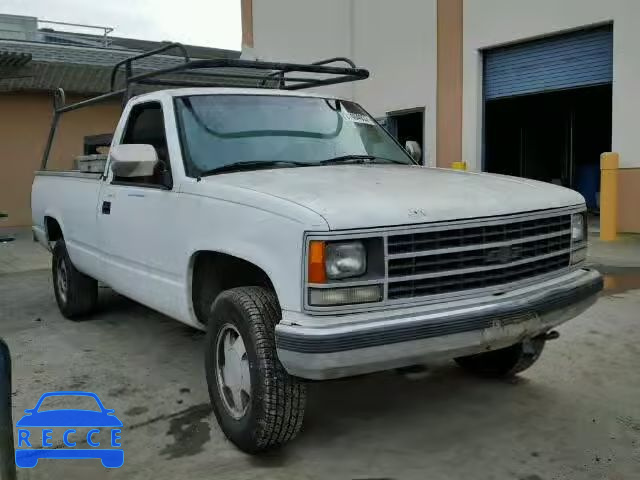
(359, 159)
(252, 165)
(257, 164)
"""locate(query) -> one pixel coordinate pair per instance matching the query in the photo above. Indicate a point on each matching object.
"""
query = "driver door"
(136, 218)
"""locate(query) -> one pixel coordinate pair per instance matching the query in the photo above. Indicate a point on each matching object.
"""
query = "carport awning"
(12, 64)
(14, 59)
(29, 66)
(82, 79)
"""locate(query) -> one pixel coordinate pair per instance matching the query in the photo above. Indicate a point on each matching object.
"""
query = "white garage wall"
(489, 23)
(396, 41)
(303, 31)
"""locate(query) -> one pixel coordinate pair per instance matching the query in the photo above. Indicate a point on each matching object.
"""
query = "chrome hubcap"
(61, 280)
(232, 371)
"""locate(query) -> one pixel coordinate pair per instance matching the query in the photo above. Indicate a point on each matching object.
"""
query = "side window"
(146, 125)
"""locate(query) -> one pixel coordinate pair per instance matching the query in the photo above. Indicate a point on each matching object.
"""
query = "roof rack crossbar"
(90, 101)
(346, 60)
(179, 83)
(356, 73)
(127, 62)
(231, 75)
(202, 81)
(281, 73)
(319, 83)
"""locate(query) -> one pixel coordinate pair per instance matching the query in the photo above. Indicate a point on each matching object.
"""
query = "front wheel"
(258, 405)
(76, 293)
(505, 362)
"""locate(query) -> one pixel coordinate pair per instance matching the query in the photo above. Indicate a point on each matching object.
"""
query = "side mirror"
(413, 148)
(133, 160)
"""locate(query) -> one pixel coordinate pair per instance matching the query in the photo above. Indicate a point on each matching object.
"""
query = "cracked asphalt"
(574, 415)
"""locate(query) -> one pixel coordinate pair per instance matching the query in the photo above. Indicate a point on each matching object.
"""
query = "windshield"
(220, 130)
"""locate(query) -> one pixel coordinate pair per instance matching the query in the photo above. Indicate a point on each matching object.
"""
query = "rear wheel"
(258, 405)
(505, 362)
(76, 293)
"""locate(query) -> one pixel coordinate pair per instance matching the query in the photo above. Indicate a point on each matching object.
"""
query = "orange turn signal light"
(316, 272)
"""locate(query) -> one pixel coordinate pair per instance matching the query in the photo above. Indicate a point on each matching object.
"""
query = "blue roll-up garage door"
(570, 60)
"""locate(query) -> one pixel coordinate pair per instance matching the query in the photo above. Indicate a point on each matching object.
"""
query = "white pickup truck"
(310, 245)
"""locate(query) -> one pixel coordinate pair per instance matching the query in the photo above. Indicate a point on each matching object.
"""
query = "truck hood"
(360, 196)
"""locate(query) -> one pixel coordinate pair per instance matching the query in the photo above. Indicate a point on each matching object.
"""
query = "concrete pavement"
(574, 415)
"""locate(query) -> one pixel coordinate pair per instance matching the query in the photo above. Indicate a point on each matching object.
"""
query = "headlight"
(578, 228)
(345, 259)
(361, 263)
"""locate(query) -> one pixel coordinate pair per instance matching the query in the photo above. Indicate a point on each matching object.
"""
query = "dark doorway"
(409, 126)
(554, 137)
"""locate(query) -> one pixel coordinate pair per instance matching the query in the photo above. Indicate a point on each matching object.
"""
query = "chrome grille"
(457, 259)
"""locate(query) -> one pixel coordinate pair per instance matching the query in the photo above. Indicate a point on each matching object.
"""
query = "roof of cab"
(184, 92)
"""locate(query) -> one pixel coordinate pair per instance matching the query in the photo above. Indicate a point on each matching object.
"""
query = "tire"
(271, 413)
(505, 362)
(76, 293)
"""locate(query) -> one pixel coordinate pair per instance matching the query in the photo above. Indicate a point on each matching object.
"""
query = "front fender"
(272, 243)
(261, 229)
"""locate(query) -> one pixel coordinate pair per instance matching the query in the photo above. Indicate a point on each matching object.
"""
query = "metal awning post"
(52, 134)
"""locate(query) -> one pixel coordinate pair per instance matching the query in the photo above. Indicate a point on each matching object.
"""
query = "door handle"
(106, 208)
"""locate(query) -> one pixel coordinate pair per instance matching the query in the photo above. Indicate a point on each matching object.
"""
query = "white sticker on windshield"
(357, 117)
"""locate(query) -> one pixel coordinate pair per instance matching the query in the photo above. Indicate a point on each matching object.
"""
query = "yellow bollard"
(459, 165)
(608, 196)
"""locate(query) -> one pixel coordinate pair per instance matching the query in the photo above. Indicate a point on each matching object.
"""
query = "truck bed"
(70, 198)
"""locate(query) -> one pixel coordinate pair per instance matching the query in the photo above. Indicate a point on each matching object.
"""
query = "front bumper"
(356, 344)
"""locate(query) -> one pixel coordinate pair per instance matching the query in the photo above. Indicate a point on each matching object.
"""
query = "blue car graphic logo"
(28, 453)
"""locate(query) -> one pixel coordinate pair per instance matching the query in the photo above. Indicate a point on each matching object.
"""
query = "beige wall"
(25, 119)
(629, 200)
(246, 9)
(449, 90)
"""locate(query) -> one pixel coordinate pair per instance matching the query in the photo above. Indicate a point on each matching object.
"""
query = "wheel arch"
(211, 272)
(53, 228)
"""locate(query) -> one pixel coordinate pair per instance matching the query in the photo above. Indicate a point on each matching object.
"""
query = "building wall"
(24, 127)
(396, 41)
(18, 27)
(490, 23)
(303, 31)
